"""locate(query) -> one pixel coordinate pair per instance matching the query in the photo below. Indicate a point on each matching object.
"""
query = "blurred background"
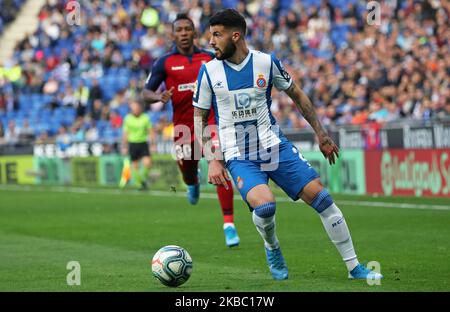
(68, 70)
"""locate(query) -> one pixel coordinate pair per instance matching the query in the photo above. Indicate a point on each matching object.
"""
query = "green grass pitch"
(114, 234)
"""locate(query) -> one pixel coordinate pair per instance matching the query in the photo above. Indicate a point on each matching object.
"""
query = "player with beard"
(237, 85)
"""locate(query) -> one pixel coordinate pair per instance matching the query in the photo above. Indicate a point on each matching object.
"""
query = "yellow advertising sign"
(17, 170)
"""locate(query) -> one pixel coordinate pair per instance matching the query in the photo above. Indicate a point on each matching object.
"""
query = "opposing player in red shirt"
(178, 69)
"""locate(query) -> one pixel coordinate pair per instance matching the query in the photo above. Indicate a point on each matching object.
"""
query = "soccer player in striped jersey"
(237, 85)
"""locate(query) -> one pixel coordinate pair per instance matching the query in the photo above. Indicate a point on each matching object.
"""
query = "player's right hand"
(329, 149)
(217, 174)
(166, 95)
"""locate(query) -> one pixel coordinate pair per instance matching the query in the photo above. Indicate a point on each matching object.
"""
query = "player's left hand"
(166, 95)
(329, 149)
(217, 174)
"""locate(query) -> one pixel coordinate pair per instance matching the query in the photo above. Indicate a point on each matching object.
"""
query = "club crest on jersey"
(261, 82)
(240, 182)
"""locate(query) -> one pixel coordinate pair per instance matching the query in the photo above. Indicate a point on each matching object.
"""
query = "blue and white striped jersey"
(240, 96)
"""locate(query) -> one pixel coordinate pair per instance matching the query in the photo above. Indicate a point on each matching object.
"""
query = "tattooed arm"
(200, 123)
(305, 106)
(217, 174)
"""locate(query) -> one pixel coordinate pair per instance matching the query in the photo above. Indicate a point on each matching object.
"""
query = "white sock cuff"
(331, 210)
(351, 263)
(260, 220)
(227, 224)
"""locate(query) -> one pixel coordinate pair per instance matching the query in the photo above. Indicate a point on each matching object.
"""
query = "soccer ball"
(172, 265)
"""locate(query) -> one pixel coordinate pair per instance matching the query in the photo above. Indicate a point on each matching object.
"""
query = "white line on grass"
(86, 190)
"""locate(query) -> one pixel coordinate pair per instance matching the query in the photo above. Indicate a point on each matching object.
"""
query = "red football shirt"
(180, 71)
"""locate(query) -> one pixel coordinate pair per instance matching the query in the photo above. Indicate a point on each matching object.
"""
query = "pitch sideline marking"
(85, 190)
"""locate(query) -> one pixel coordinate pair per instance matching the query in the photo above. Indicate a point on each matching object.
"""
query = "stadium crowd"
(73, 82)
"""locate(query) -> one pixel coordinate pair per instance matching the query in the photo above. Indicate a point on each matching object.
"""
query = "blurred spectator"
(81, 99)
(69, 97)
(96, 92)
(11, 72)
(165, 128)
(63, 139)
(115, 120)
(76, 133)
(206, 14)
(133, 90)
(393, 112)
(2, 135)
(105, 113)
(119, 99)
(97, 109)
(92, 134)
(372, 135)
(141, 61)
(149, 40)
(377, 111)
(12, 133)
(360, 117)
(26, 133)
(51, 86)
(150, 17)
(2, 103)
(43, 138)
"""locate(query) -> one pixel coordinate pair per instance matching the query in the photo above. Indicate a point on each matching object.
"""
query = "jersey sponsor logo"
(177, 67)
(261, 81)
(218, 85)
(244, 114)
(187, 87)
(242, 100)
(244, 105)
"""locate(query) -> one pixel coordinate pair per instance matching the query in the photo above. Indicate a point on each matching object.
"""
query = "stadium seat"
(123, 110)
